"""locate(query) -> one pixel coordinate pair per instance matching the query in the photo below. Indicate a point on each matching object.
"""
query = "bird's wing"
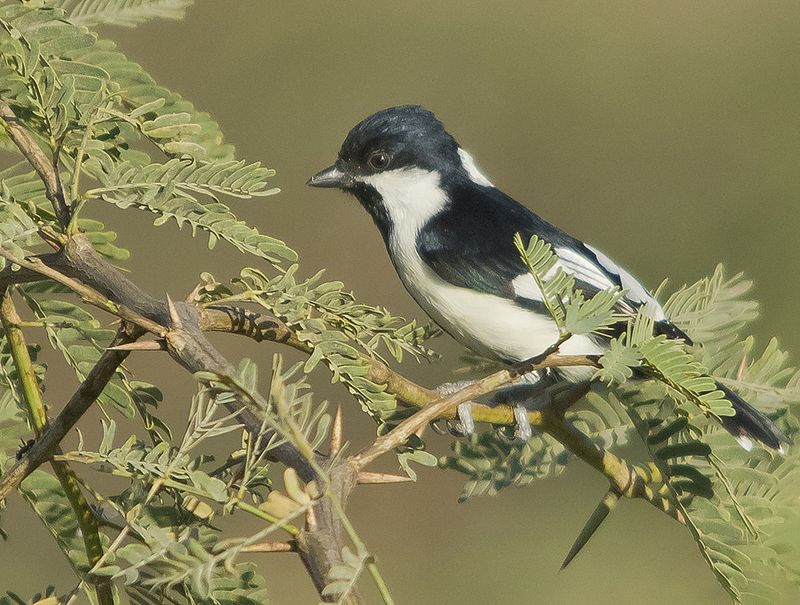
(471, 245)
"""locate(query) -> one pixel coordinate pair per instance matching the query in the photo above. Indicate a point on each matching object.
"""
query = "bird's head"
(399, 158)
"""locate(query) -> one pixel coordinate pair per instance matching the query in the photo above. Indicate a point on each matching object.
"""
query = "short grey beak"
(330, 177)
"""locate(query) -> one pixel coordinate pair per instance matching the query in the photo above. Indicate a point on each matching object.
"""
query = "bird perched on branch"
(449, 233)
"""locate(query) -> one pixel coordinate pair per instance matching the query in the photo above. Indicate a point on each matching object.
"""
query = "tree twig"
(37, 158)
(65, 475)
(87, 294)
(87, 393)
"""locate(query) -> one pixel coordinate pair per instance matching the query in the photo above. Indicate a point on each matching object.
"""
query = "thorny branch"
(179, 329)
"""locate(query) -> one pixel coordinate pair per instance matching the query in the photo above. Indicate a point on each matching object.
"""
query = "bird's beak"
(332, 176)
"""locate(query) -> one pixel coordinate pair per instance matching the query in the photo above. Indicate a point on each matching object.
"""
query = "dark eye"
(378, 160)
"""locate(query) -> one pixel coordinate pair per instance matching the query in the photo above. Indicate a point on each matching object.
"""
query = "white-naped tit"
(449, 233)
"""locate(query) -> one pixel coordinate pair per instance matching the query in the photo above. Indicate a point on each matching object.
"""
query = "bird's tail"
(748, 424)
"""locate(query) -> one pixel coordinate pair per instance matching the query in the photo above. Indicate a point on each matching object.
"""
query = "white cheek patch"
(411, 196)
(471, 169)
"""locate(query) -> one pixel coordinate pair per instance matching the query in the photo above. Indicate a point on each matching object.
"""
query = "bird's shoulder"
(476, 229)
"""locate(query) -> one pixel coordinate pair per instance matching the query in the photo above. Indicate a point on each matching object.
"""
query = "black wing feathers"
(471, 243)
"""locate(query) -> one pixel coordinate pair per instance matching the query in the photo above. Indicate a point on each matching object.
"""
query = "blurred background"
(665, 134)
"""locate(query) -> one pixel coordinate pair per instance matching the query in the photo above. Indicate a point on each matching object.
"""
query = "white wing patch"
(469, 166)
(583, 268)
(526, 287)
(636, 291)
(586, 271)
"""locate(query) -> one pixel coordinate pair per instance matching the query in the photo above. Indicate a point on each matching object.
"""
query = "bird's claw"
(465, 418)
(463, 426)
(523, 430)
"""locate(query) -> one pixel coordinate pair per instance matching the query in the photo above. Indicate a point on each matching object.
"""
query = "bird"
(449, 232)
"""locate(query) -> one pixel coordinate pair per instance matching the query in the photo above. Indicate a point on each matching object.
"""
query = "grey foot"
(465, 418)
(523, 430)
(463, 426)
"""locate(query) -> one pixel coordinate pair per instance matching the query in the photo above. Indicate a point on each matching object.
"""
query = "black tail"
(750, 423)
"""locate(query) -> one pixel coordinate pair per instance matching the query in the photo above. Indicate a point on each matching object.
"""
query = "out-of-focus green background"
(667, 134)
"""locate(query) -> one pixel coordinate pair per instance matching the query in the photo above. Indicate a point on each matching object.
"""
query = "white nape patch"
(781, 450)
(475, 175)
(745, 442)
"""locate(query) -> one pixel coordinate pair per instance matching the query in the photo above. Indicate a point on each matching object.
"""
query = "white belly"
(489, 325)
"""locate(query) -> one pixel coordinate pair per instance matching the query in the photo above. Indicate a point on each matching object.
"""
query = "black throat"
(372, 202)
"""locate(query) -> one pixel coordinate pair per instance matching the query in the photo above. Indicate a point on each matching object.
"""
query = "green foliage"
(337, 328)
(17, 228)
(186, 566)
(176, 551)
(66, 79)
(568, 306)
(664, 358)
(737, 503)
(13, 426)
(79, 337)
(127, 13)
(13, 598)
(170, 190)
(44, 492)
(13, 415)
(343, 577)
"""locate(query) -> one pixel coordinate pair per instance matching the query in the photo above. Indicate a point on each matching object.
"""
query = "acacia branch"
(98, 283)
(86, 394)
(87, 294)
(37, 158)
(262, 327)
(77, 266)
(438, 406)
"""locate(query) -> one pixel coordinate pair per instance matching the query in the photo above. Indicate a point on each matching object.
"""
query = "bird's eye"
(378, 160)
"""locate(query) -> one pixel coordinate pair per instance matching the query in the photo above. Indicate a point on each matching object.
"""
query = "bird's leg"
(530, 392)
(465, 425)
(465, 418)
(523, 432)
(523, 395)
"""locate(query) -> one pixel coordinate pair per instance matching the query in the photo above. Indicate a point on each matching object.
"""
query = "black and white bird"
(449, 233)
